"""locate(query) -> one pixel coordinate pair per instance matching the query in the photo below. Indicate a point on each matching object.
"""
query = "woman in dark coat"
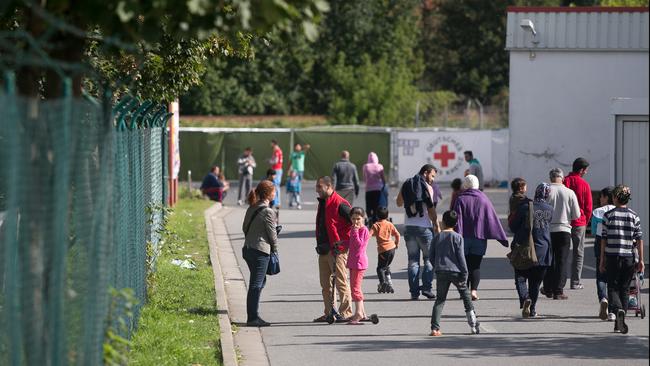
(528, 281)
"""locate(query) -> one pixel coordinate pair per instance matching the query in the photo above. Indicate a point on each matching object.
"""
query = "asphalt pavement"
(567, 333)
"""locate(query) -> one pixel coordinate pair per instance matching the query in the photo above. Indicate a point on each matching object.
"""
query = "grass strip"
(179, 325)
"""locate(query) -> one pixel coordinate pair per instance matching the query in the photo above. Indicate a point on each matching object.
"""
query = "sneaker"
(560, 297)
(257, 323)
(577, 286)
(603, 309)
(429, 294)
(474, 295)
(321, 319)
(475, 329)
(611, 317)
(415, 297)
(436, 333)
(240, 202)
(545, 293)
(526, 310)
(534, 315)
(620, 322)
(299, 207)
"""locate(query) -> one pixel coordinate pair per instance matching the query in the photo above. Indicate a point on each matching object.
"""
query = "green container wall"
(200, 150)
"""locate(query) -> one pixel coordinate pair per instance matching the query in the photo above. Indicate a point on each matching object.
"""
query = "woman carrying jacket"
(519, 225)
(261, 239)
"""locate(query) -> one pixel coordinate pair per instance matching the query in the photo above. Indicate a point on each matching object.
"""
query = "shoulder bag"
(274, 259)
(522, 256)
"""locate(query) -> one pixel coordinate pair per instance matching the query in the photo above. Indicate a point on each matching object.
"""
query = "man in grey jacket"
(565, 209)
(345, 178)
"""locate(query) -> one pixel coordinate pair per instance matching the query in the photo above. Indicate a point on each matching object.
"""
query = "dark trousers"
(372, 202)
(258, 263)
(555, 278)
(474, 270)
(601, 277)
(527, 283)
(620, 271)
(383, 264)
(443, 281)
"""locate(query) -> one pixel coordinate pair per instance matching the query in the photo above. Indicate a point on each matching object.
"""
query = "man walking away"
(577, 184)
(421, 221)
(246, 164)
(565, 209)
(345, 178)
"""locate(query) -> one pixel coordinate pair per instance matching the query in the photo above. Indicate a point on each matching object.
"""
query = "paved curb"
(230, 288)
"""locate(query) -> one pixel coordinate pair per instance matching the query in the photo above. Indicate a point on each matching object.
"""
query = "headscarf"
(470, 182)
(542, 191)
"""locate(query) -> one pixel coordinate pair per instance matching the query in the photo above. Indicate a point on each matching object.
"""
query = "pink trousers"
(356, 277)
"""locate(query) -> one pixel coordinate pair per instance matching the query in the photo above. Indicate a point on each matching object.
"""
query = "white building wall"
(560, 109)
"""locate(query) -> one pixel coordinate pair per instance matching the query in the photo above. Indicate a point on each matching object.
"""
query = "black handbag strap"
(248, 227)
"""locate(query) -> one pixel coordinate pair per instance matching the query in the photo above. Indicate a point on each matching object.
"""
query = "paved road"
(569, 332)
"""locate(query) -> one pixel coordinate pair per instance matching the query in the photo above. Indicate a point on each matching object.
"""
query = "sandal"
(435, 333)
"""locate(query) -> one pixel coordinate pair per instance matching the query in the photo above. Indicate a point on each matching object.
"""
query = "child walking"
(606, 204)
(293, 189)
(456, 186)
(518, 186)
(384, 230)
(621, 253)
(448, 259)
(357, 262)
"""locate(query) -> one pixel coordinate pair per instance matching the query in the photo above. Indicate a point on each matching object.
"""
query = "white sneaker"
(603, 309)
(240, 202)
(611, 317)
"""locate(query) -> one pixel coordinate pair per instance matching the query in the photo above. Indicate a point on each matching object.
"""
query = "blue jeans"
(257, 263)
(418, 239)
(601, 277)
(276, 181)
(445, 279)
(527, 283)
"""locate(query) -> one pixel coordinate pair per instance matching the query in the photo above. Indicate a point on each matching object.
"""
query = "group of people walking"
(453, 248)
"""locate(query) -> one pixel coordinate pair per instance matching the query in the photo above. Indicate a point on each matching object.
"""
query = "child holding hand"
(357, 262)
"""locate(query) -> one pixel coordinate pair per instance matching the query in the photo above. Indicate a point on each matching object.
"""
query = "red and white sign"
(445, 150)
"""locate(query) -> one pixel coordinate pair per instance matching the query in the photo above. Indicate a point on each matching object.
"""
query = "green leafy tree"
(141, 39)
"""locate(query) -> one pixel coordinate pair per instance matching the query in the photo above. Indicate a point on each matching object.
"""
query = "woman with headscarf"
(519, 225)
(477, 222)
(373, 175)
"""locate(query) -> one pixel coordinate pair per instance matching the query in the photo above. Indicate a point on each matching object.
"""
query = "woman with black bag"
(260, 229)
(535, 225)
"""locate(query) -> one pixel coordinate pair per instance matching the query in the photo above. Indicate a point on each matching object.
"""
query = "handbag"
(522, 256)
(274, 264)
(274, 259)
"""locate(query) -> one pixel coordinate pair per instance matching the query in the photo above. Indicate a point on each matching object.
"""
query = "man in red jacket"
(332, 229)
(577, 184)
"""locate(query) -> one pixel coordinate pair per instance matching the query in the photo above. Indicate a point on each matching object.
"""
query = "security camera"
(528, 25)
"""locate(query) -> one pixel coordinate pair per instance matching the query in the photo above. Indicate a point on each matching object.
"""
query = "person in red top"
(577, 184)
(332, 232)
(276, 164)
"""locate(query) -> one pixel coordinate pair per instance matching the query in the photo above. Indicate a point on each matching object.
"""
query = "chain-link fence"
(82, 191)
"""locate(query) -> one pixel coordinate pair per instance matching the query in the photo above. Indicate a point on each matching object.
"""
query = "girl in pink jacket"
(357, 261)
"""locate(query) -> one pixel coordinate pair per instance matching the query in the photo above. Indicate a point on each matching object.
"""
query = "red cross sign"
(444, 156)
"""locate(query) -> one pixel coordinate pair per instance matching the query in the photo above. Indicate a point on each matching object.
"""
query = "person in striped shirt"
(621, 253)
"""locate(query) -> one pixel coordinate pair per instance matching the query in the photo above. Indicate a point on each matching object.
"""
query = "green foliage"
(362, 69)
(466, 52)
(624, 3)
(179, 320)
(120, 323)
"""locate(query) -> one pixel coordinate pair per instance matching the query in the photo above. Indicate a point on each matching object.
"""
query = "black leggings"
(474, 269)
(372, 202)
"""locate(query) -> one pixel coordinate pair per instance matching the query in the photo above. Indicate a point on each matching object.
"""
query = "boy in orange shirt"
(384, 230)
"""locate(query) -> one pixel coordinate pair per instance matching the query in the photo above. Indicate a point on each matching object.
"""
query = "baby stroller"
(634, 302)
